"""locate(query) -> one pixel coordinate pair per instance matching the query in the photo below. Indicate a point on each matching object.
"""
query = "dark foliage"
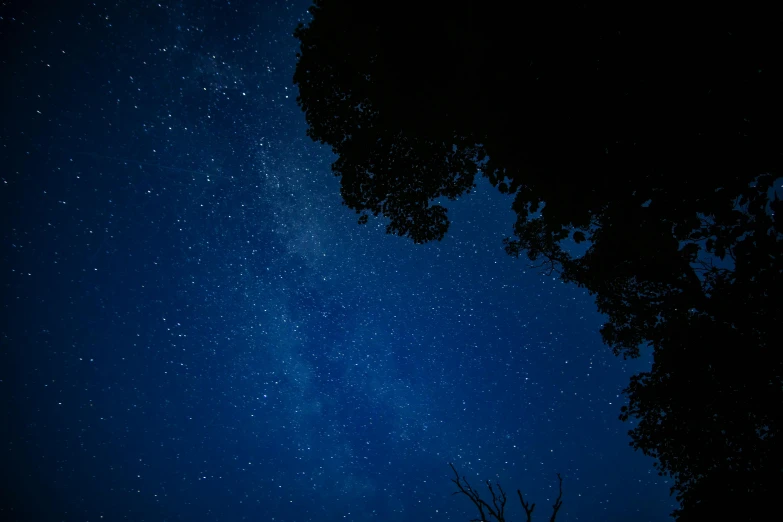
(653, 136)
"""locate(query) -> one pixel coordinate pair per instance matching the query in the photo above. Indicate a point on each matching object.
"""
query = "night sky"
(194, 328)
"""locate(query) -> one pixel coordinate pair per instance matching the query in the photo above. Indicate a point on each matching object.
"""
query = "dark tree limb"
(497, 511)
(527, 506)
(558, 501)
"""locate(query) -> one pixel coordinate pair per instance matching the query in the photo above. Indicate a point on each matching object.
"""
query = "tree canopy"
(653, 136)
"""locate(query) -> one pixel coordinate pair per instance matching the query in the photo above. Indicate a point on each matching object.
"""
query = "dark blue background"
(194, 328)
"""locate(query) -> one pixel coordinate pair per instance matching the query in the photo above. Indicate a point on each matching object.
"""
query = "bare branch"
(526, 506)
(558, 502)
(497, 510)
(469, 492)
(499, 503)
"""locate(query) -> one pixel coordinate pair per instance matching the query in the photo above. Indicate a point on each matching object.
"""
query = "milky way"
(195, 328)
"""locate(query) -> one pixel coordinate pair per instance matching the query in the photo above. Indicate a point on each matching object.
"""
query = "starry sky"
(194, 328)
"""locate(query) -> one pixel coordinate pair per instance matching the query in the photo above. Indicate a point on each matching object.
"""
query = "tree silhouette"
(654, 137)
(497, 510)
